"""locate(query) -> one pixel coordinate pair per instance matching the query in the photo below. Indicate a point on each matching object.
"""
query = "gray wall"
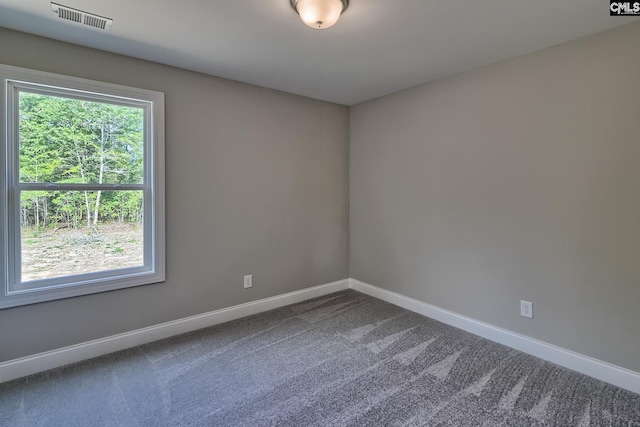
(515, 181)
(520, 180)
(257, 183)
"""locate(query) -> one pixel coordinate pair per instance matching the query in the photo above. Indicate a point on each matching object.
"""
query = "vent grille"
(80, 17)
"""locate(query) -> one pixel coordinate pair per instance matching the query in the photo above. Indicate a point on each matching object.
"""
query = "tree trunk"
(45, 212)
(100, 177)
(84, 181)
(86, 203)
(37, 213)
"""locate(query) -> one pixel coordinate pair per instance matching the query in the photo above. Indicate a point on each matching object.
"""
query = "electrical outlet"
(248, 281)
(526, 309)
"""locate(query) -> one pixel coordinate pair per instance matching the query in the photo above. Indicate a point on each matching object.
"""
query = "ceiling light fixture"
(319, 14)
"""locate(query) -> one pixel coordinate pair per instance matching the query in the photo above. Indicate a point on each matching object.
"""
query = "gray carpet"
(345, 359)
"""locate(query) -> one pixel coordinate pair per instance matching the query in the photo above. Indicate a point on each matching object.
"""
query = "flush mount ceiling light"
(319, 14)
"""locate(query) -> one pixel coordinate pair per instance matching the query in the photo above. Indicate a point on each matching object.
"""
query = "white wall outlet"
(248, 281)
(526, 309)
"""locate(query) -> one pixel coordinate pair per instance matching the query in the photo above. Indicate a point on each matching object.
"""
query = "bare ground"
(68, 251)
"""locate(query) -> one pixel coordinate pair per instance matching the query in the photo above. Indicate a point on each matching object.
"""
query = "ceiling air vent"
(79, 17)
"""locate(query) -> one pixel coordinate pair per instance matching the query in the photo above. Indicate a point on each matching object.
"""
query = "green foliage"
(64, 140)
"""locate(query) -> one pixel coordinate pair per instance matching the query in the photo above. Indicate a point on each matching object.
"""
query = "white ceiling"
(377, 47)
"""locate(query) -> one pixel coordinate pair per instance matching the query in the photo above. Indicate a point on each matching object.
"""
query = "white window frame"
(12, 292)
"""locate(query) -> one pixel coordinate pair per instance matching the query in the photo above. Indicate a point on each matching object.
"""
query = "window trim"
(12, 79)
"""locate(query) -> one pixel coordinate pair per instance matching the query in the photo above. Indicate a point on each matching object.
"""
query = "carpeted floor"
(343, 359)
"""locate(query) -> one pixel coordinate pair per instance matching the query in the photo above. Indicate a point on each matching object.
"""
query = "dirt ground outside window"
(56, 252)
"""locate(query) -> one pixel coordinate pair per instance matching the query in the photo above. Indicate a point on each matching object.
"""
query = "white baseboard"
(24, 366)
(595, 368)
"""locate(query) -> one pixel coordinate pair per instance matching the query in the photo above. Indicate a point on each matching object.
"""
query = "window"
(81, 187)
